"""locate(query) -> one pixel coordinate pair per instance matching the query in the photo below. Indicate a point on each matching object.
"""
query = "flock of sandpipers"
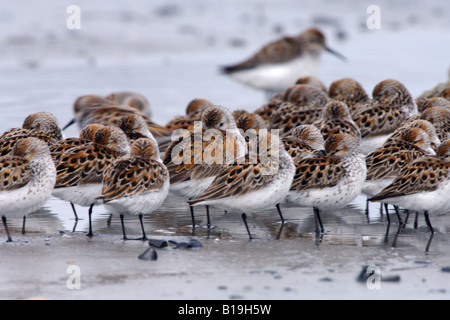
(332, 144)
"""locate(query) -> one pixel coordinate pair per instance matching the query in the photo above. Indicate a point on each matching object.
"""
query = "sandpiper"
(136, 185)
(194, 111)
(90, 109)
(132, 99)
(423, 186)
(336, 118)
(258, 183)
(80, 170)
(383, 164)
(27, 178)
(58, 150)
(191, 168)
(279, 64)
(41, 125)
(303, 104)
(440, 118)
(329, 181)
(349, 91)
(379, 117)
(305, 140)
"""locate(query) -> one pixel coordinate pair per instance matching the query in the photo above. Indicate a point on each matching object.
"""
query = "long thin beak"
(337, 54)
(69, 124)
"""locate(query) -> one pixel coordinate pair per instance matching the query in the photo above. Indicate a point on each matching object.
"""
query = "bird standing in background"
(279, 64)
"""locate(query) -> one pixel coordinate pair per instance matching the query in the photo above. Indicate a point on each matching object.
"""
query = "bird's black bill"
(337, 54)
(69, 124)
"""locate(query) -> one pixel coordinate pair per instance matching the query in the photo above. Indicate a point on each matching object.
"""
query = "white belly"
(192, 188)
(434, 202)
(372, 187)
(84, 195)
(139, 204)
(278, 77)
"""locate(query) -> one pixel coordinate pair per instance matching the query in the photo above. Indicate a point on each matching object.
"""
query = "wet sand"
(282, 262)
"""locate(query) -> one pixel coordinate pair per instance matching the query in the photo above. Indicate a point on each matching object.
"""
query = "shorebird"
(305, 140)
(423, 186)
(256, 184)
(379, 117)
(303, 104)
(194, 111)
(58, 150)
(136, 185)
(191, 159)
(132, 99)
(336, 118)
(440, 118)
(41, 125)
(80, 169)
(329, 181)
(279, 64)
(91, 109)
(407, 144)
(314, 81)
(349, 91)
(27, 178)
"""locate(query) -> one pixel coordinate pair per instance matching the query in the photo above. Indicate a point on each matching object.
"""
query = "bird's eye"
(221, 124)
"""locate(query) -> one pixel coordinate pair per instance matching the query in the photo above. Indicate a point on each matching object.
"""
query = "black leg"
(279, 212)
(427, 220)
(406, 219)
(123, 228)
(279, 232)
(90, 234)
(144, 236)
(386, 236)
(386, 209)
(397, 212)
(75, 226)
(429, 242)
(367, 207)
(394, 242)
(23, 224)
(416, 220)
(6, 229)
(74, 211)
(319, 225)
(244, 218)
(192, 216)
(208, 219)
(109, 220)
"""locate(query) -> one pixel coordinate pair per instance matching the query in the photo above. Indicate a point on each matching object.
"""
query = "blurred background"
(171, 51)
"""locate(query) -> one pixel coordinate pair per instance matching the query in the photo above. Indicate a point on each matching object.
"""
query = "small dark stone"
(158, 243)
(392, 278)
(148, 255)
(422, 262)
(195, 244)
(326, 279)
(182, 245)
(364, 276)
(186, 245)
(445, 269)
